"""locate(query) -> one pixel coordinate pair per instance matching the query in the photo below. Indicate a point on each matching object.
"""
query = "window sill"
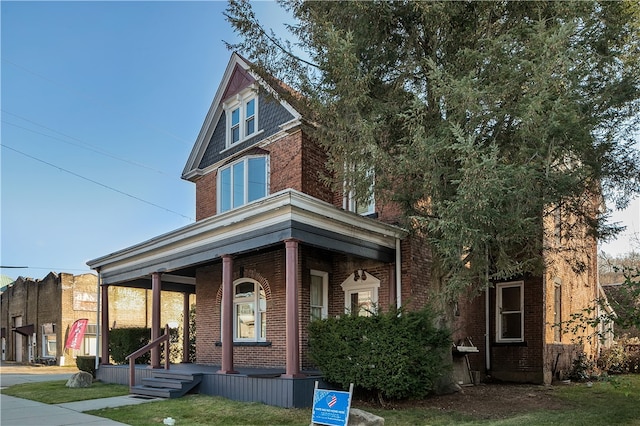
(503, 344)
(256, 344)
(241, 141)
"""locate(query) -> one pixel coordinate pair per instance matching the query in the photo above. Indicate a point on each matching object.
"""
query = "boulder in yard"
(81, 379)
(359, 417)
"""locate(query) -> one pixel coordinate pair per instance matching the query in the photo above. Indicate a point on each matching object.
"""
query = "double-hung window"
(318, 294)
(242, 116)
(362, 207)
(249, 311)
(242, 182)
(510, 312)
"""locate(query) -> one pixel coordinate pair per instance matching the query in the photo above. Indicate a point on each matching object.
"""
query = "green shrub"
(396, 354)
(125, 341)
(87, 363)
(621, 358)
(583, 368)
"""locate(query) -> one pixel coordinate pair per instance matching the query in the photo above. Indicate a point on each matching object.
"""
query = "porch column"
(104, 290)
(156, 284)
(185, 326)
(227, 316)
(291, 318)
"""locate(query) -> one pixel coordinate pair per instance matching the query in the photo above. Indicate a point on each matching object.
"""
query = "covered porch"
(285, 222)
(264, 385)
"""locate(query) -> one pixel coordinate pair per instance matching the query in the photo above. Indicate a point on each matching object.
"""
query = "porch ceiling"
(268, 222)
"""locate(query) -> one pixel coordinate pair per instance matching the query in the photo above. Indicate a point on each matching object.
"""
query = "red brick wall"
(521, 362)
(295, 162)
(314, 171)
(268, 267)
(206, 196)
(286, 163)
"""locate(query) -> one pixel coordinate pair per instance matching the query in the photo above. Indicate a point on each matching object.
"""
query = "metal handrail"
(157, 342)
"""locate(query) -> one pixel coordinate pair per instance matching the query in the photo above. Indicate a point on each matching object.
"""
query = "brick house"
(273, 248)
(36, 315)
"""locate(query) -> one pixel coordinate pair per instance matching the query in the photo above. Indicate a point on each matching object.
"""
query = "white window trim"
(499, 312)
(239, 101)
(257, 319)
(354, 284)
(245, 160)
(325, 291)
(349, 199)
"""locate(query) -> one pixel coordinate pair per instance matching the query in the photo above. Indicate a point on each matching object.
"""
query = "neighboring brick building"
(36, 315)
(275, 247)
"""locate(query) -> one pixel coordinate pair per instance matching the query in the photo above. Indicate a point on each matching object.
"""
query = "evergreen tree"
(480, 119)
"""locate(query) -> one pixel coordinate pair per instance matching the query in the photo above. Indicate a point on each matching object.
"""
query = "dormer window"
(242, 116)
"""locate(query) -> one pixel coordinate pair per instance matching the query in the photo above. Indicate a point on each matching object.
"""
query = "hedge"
(125, 341)
(396, 354)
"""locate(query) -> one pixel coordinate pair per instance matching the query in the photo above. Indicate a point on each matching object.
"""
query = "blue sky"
(101, 104)
(114, 92)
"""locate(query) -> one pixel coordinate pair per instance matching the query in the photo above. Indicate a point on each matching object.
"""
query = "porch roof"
(267, 222)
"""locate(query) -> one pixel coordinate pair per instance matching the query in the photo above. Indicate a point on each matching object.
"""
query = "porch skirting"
(249, 385)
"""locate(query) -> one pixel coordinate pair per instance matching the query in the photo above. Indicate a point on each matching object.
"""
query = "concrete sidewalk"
(23, 412)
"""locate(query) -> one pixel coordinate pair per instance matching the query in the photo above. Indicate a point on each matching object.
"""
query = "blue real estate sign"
(330, 407)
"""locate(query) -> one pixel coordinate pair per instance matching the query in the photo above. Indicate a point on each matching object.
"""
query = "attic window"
(242, 116)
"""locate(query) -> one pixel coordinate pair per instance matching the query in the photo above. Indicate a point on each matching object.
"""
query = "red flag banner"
(76, 333)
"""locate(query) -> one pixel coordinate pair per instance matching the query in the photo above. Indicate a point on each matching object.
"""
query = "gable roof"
(237, 76)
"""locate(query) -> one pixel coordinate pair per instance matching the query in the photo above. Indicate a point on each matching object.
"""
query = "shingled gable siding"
(271, 115)
(285, 157)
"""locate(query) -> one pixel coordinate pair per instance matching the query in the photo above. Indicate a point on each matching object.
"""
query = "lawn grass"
(56, 392)
(612, 402)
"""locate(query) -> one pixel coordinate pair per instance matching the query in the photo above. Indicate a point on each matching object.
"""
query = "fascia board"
(283, 206)
(215, 111)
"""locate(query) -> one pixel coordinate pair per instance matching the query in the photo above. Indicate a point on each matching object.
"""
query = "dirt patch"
(487, 401)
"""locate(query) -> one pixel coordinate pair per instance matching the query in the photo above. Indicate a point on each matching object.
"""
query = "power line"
(95, 101)
(46, 268)
(84, 144)
(94, 181)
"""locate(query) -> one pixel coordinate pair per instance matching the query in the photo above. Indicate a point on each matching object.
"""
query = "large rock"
(361, 418)
(364, 418)
(81, 379)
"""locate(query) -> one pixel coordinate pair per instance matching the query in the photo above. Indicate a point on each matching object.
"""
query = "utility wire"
(95, 101)
(94, 181)
(83, 145)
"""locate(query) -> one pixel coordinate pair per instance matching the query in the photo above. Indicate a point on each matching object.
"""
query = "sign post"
(331, 407)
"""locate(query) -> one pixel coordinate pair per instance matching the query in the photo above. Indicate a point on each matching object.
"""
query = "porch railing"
(143, 350)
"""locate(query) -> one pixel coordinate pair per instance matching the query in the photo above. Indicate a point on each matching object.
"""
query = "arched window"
(249, 311)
